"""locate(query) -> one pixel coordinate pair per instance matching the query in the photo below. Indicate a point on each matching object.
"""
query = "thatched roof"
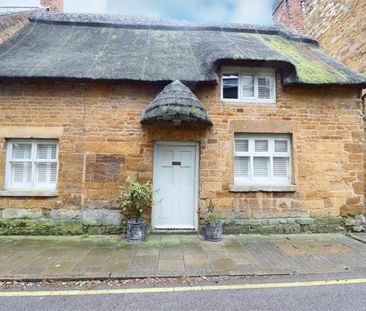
(105, 47)
(175, 103)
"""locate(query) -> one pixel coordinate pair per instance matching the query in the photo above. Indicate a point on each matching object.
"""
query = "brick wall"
(53, 5)
(11, 24)
(102, 140)
(289, 14)
(340, 27)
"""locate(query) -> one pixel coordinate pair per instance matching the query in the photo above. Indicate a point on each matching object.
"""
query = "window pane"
(261, 145)
(280, 145)
(22, 172)
(42, 151)
(53, 151)
(280, 167)
(22, 151)
(53, 174)
(264, 87)
(260, 166)
(46, 151)
(241, 145)
(230, 86)
(42, 173)
(241, 166)
(247, 86)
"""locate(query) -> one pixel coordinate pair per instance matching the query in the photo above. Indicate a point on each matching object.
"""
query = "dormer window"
(252, 85)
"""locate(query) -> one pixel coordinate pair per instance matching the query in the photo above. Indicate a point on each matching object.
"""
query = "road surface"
(315, 292)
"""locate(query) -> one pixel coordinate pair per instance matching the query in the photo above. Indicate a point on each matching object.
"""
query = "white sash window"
(254, 85)
(262, 159)
(31, 164)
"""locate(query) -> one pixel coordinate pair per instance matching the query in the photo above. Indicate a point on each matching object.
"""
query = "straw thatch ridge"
(176, 102)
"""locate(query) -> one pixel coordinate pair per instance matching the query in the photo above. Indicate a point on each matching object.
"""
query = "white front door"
(175, 182)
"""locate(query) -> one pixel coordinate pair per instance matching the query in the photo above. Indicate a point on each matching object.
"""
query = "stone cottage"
(257, 119)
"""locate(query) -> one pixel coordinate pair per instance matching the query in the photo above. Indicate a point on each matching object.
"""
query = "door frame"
(195, 144)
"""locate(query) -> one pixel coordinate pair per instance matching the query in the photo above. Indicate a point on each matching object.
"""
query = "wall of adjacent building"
(11, 24)
(289, 13)
(101, 140)
(340, 27)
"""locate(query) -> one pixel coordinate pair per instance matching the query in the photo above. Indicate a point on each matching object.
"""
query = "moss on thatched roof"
(104, 47)
(176, 103)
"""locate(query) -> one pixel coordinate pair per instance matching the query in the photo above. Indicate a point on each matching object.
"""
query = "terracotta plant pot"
(213, 232)
(135, 230)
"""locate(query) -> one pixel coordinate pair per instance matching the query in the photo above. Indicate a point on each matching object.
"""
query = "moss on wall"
(48, 227)
(263, 226)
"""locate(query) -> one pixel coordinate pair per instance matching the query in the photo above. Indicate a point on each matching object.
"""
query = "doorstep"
(174, 231)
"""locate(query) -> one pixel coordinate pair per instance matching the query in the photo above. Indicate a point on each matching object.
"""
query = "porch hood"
(176, 104)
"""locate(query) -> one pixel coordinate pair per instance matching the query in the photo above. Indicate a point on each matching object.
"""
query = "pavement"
(105, 257)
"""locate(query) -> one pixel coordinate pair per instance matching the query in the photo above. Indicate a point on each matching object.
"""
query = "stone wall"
(340, 27)
(101, 139)
(53, 5)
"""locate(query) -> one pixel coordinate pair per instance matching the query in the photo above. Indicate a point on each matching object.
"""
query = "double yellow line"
(178, 288)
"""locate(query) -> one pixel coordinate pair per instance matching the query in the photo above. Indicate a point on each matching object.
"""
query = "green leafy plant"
(211, 217)
(137, 198)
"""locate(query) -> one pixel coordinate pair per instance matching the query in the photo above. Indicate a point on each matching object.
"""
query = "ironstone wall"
(101, 139)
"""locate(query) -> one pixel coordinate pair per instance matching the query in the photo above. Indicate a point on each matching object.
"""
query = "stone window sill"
(39, 193)
(242, 188)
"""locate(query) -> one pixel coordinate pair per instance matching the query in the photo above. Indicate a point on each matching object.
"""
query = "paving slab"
(171, 265)
(359, 236)
(178, 255)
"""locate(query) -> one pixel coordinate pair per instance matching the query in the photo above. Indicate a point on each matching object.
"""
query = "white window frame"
(245, 71)
(270, 180)
(8, 173)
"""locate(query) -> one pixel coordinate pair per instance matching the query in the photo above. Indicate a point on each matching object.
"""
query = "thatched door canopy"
(177, 104)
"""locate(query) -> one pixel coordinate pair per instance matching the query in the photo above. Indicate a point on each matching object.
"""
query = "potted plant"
(135, 200)
(213, 225)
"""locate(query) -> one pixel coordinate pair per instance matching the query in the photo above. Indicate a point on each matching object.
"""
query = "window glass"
(22, 151)
(247, 86)
(280, 145)
(242, 166)
(264, 87)
(242, 145)
(280, 167)
(230, 84)
(260, 166)
(261, 145)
